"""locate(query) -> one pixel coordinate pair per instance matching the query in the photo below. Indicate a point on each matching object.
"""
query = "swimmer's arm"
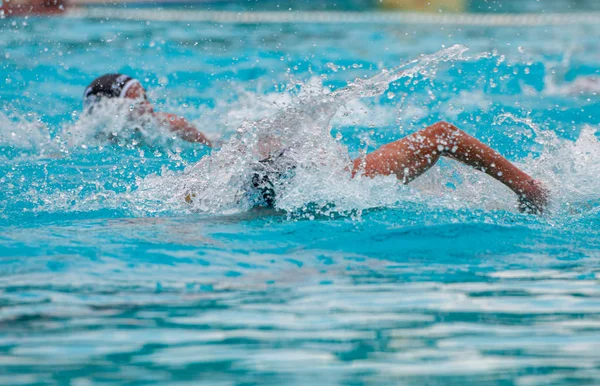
(183, 128)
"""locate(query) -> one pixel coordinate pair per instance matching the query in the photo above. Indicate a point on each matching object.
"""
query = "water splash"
(321, 180)
(571, 171)
(112, 122)
(23, 133)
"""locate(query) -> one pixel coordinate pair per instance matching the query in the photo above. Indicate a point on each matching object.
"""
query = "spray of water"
(321, 182)
(111, 121)
(26, 133)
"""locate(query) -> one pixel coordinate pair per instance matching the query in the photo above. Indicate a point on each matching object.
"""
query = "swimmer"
(124, 87)
(407, 159)
(411, 156)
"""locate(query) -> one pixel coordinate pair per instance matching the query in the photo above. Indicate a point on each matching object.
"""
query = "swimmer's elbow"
(183, 128)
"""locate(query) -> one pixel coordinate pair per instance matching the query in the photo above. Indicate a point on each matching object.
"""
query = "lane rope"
(230, 17)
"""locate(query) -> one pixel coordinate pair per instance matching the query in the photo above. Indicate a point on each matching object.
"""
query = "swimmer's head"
(116, 86)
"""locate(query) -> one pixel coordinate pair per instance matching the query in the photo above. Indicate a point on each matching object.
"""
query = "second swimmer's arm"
(183, 128)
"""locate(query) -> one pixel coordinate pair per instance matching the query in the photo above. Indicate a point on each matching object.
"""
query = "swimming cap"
(108, 86)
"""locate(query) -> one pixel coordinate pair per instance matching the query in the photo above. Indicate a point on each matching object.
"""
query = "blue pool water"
(108, 276)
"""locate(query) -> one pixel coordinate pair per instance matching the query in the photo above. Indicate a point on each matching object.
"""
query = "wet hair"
(107, 86)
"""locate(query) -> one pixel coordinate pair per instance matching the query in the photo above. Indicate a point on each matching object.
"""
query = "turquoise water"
(107, 276)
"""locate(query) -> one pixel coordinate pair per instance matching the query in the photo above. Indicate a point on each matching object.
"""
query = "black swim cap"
(108, 86)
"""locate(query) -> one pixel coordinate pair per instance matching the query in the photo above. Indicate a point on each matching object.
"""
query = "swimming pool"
(108, 276)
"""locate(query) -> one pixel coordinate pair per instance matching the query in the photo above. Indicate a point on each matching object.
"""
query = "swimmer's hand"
(533, 197)
(182, 127)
